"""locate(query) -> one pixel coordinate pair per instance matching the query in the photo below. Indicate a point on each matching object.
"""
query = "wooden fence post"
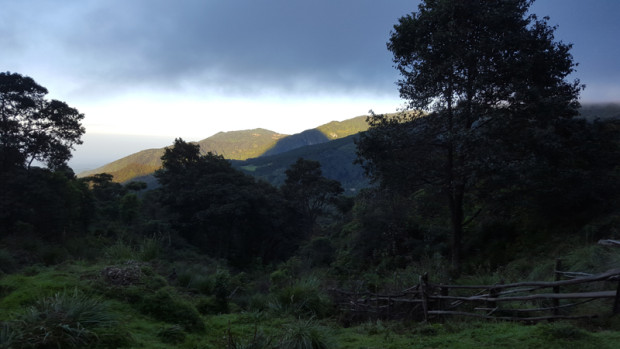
(556, 289)
(424, 294)
(616, 309)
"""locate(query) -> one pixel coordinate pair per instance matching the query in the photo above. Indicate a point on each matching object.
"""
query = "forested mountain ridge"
(254, 150)
(234, 145)
(336, 158)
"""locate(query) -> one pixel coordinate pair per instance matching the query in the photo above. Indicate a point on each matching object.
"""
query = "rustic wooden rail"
(426, 299)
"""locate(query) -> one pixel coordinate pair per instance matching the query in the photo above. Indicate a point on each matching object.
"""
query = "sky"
(147, 71)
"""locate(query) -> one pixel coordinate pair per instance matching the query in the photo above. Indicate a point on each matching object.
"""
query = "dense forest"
(488, 177)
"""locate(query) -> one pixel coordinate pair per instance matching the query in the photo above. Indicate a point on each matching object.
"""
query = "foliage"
(67, 319)
(309, 191)
(493, 79)
(166, 306)
(221, 210)
(303, 297)
(9, 336)
(7, 262)
(33, 128)
(171, 334)
(306, 335)
(49, 202)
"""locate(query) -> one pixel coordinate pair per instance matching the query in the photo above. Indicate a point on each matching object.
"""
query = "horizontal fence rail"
(426, 299)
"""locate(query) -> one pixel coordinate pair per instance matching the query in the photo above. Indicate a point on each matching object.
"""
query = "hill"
(336, 158)
(239, 145)
(234, 145)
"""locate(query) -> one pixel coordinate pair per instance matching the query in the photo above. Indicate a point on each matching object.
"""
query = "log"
(598, 277)
(537, 309)
(598, 294)
(609, 242)
(510, 318)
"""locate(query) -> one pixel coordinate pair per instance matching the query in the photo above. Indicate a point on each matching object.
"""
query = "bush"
(7, 262)
(120, 251)
(171, 334)
(163, 306)
(65, 320)
(303, 298)
(9, 336)
(150, 249)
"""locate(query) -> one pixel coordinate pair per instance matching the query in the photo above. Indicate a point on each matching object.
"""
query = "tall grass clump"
(306, 335)
(120, 251)
(65, 320)
(9, 336)
(149, 249)
(302, 298)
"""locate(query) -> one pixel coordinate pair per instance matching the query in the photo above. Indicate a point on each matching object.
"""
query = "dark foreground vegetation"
(488, 179)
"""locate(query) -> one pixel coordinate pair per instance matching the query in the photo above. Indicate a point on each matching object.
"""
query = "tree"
(223, 211)
(491, 84)
(310, 192)
(33, 128)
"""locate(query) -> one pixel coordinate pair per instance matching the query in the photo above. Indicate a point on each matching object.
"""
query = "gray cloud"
(235, 46)
(241, 47)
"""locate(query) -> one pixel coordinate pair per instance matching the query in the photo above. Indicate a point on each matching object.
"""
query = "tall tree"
(309, 191)
(491, 82)
(32, 127)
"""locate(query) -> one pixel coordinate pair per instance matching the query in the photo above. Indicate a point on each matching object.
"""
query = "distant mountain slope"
(308, 137)
(234, 145)
(336, 158)
(600, 111)
(239, 145)
(321, 134)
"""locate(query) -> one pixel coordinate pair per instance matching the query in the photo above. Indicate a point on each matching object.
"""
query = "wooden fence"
(521, 301)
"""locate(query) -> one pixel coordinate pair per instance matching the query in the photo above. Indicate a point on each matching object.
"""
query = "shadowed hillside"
(336, 158)
(234, 145)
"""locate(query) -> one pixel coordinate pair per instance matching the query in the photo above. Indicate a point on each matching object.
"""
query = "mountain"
(234, 145)
(336, 158)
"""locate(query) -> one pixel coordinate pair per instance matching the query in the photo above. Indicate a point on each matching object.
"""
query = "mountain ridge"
(233, 145)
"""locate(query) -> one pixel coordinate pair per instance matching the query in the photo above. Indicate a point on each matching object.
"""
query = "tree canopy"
(491, 84)
(309, 191)
(223, 211)
(34, 128)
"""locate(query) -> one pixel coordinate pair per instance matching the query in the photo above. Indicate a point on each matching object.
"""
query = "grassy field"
(140, 308)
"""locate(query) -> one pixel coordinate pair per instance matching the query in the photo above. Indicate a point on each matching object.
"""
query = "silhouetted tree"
(309, 191)
(223, 211)
(491, 81)
(33, 128)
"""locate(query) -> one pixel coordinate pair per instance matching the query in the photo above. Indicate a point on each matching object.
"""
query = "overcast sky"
(190, 68)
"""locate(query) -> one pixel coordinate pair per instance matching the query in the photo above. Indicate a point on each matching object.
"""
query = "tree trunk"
(456, 220)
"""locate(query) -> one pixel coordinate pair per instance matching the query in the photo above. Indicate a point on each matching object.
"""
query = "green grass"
(475, 335)
(155, 314)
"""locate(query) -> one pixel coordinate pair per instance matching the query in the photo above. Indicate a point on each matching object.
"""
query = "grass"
(291, 310)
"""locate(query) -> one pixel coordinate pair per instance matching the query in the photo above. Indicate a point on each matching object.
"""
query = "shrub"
(7, 262)
(120, 251)
(149, 249)
(163, 306)
(65, 320)
(171, 334)
(9, 336)
(207, 305)
(303, 298)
